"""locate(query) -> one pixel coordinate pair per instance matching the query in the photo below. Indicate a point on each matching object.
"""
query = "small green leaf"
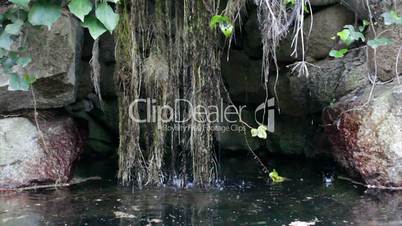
(24, 61)
(17, 83)
(30, 79)
(217, 20)
(338, 53)
(344, 35)
(5, 41)
(94, 26)
(375, 43)
(107, 16)
(44, 13)
(22, 3)
(80, 8)
(14, 28)
(391, 17)
(275, 177)
(260, 132)
(227, 29)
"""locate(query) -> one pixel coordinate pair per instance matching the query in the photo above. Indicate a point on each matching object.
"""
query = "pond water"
(245, 199)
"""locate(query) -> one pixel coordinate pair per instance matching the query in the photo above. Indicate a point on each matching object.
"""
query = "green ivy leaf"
(14, 28)
(44, 13)
(275, 177)
(30, 79)
(338, 53)
(217, 20)
(94, 26)
(24, 61)
(22, 3)
(348, 35)
(107, 16)
(5, 41)
(80, 8)
(227, 29)
(391, 17)
(17, 83)
(375, 43)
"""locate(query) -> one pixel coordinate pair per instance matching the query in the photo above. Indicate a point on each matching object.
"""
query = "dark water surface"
(246, 199)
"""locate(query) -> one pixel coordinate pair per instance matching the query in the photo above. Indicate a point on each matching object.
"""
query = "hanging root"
(96, 70)
(174, 55)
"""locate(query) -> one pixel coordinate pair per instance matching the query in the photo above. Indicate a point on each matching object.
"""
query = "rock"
(386, 55)
(107, 83)
(242, 77)
(103, 125)
(328, 81)
(326, 23)
(252, 41)
(323, 2)
(367, 140)
(55, 61)
(292, 136)
(25, 161)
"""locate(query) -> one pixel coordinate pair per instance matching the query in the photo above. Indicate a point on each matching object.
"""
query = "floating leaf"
(17, 83)
(338, 53)
(5, 41)
(375, 43)
(44, 13)
(94, 26)
(391, 17)
(107, 16)
(80, 8)
(22, 3)
(14, 28)
(275, 177)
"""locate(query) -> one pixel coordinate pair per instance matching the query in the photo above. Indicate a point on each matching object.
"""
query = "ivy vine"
(97, 16)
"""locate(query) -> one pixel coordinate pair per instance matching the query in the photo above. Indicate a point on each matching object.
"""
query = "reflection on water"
(246, 199)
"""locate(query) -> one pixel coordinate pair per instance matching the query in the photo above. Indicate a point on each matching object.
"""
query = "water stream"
(245, 199)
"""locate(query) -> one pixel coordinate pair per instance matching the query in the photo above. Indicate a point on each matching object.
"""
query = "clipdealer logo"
(219, 114)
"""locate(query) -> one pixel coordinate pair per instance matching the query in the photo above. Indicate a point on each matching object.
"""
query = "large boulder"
(25, 160)
(366, 136)
(327, 81)
(326, 23)
(252, 36)
(385, 56)
(55, 60)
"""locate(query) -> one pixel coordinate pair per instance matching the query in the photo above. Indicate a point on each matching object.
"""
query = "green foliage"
(338, 53)
(375, 43)
(391, 17)
(349, 35)
(21, 3)
(80, 8)
(5, 40)
(275, 177)
(364, 25)
(94, 26)
(224, 23)
(107, 16)
(260, 132)
(20, 83)
(44, 13)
